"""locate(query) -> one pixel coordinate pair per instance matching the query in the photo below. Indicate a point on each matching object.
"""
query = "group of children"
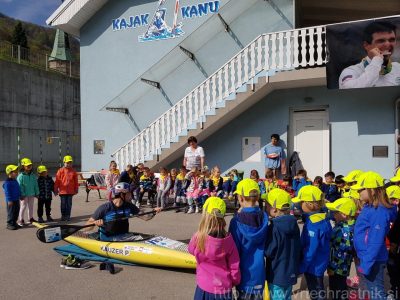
(189, 188)
(22, 186)
(263, 242)
(267, 244)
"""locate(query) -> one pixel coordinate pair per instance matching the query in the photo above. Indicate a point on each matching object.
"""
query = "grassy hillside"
(39, 38)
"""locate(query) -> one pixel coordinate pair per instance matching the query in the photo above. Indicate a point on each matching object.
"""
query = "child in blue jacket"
(370, 231)
(329, 187)
(12, 193)
(393, 264)
(315, 239)
(249, 231)
(300, 180)
(283, 246)
(342, 249)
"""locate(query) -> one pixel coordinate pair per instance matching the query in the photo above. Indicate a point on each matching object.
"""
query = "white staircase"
(237, 85)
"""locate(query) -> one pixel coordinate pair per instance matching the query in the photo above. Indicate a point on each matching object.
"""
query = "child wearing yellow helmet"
(66, 185)
(370, 230)
(29, 190)
(46, 188)
(341, 254)
(283, 246)
(215, 253)
(12, 194)
(393, 265)
(249, 231)
(315, 239)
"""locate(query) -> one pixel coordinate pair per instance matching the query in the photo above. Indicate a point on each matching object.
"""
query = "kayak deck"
(151, 250)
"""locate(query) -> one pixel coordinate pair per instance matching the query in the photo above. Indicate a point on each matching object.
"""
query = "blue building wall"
(359, 119)
(112, 60)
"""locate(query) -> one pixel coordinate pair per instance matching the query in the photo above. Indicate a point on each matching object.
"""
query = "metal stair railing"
(269, 53)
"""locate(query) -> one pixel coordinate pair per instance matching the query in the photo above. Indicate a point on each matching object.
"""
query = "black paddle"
(57, 232)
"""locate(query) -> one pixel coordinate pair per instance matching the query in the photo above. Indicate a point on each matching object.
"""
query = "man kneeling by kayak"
(112, 217)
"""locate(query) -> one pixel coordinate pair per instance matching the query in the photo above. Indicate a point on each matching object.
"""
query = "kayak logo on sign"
(157, 27)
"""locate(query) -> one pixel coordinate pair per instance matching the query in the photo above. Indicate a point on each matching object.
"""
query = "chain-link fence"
(37, 59)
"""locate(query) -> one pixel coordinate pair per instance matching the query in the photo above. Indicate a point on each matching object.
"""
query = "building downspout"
(396, 131)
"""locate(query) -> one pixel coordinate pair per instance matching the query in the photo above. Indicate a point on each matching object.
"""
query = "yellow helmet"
(368, 180)
(308, 193)
(278, 198)
(26, 162)
(396, 178)
(352, 194)
(393, 192)
(352, 176)
(344, 205)
(67, 158)
(11, 168)
(215, 203)
(41, 169)
(246, 186)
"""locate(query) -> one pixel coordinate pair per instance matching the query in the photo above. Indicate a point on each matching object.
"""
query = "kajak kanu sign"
(157, 27)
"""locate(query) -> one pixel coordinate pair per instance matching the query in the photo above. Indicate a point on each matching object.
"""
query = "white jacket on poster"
(367, 74)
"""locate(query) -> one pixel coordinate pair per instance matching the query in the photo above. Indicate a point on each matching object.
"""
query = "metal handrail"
(38, 59)
(278, 51)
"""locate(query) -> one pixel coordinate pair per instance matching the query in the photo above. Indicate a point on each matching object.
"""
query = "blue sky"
(34, 11)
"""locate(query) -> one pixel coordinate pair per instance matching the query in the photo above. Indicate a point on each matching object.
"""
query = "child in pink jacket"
(216, 254)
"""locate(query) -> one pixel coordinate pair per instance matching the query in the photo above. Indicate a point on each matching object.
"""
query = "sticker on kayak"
(52, 234)
(140, 249)
(165, 242)
(112, 250)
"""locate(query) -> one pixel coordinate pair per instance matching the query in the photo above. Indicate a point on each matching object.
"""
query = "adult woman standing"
(194, 155)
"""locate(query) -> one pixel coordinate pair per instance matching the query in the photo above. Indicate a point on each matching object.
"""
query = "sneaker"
(197, 210)
(12, 227)
(191, 210)
(21, 223)
(75, 263)
(64, 260)
(31, 220)
(40, 220)
(50, 219)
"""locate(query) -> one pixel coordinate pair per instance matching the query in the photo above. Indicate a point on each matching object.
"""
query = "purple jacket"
(218, 267)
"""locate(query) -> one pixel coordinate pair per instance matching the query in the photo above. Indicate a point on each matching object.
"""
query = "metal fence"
(37, 59)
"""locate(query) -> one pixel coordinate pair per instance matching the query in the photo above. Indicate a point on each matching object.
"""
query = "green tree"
(19, 36)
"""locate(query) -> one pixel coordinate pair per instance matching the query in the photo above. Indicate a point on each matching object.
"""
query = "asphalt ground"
(30, 269)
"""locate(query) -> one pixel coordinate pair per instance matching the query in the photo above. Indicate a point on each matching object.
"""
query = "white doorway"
(309, 137)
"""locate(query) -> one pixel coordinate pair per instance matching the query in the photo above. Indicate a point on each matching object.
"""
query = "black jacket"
(46, 187)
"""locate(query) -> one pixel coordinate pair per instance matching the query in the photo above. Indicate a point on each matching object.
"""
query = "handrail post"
(19, 54)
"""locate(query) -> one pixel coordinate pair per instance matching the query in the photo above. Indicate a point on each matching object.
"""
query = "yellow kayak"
(156, 251)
